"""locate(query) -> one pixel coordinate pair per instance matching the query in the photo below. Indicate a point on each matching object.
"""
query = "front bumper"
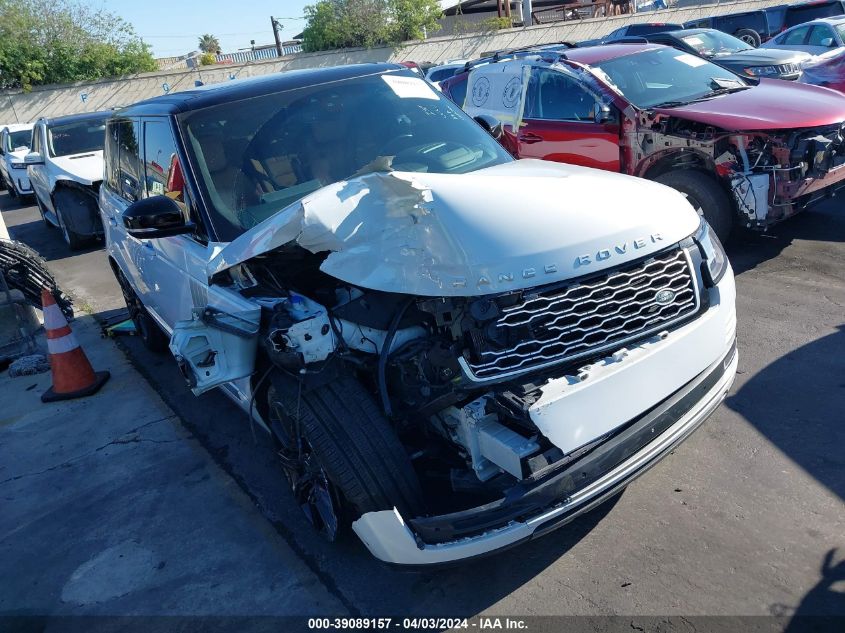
(21, 183)
(576, 487)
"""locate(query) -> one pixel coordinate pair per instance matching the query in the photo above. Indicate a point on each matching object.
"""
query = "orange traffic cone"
(73, 376)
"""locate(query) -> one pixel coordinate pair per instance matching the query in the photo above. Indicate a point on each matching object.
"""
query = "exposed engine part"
(301, 333)
(491, 446)
(751, 193)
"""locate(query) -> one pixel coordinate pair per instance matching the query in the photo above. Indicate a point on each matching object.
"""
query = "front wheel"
(152, 336)
(338, 450)
(706, 196)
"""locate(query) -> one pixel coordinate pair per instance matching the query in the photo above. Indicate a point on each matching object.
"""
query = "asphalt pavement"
(745, 518)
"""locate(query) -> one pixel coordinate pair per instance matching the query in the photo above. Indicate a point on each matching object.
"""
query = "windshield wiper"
(669, 104)
(718, 92)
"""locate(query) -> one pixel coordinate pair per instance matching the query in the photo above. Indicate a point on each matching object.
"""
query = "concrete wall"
(58, 100)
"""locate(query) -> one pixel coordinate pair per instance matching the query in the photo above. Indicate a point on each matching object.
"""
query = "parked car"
(14, 145)
(752, 27)
(633, 30)
(827, 71)
(452, 350)
(435, 74)
(734, 54)
(816, 38)
(750, 152)
(65, 167)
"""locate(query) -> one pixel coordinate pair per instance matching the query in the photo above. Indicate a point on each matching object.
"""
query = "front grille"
(787, 69)
(563, 322)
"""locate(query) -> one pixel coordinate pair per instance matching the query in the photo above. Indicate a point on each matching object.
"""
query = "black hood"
(762, 57)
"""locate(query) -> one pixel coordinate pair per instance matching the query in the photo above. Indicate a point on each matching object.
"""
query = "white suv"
(452, 350)
(65, 167)
(14, 145)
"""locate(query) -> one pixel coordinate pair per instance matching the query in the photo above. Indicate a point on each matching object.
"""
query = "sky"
(172, 27)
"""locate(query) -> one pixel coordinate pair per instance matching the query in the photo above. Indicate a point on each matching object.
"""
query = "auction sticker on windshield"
(691, 60)
(409, 87)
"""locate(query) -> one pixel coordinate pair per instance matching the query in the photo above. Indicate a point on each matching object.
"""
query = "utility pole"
(276, 28)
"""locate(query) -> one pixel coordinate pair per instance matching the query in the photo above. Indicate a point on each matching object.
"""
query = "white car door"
(38, 175)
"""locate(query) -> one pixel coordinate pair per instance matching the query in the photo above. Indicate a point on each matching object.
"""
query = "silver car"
(817, 37)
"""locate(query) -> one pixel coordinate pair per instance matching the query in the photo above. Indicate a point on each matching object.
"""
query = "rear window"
(805, 13)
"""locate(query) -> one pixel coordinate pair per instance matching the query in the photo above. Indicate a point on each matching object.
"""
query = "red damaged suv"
(744, 152)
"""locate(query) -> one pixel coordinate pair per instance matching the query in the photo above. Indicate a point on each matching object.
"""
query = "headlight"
(18, 165)
(713, 251)
(761, 71)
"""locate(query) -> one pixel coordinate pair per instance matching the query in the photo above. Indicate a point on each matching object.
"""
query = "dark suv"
(752, 27)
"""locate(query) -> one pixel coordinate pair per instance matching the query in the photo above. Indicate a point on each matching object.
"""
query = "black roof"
(224, 92)
(71, 118)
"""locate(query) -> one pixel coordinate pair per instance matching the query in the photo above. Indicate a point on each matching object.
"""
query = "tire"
(749, 36)
(63, 200)
(706, 196)
(352, 441)
(151, 335)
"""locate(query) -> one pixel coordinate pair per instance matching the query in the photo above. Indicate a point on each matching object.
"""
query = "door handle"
(528, 137)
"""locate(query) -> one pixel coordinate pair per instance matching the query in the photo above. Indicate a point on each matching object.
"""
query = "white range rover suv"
(65, 166)
(14, 146)
(453, 351)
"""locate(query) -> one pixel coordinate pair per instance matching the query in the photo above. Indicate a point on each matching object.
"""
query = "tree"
(351, 23)
(59, 41)
(209, 44)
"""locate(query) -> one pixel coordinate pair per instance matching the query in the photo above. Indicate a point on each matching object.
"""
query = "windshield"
(256, 156)
(78, 137)
(18, 140)
(667, 77)
(715, 43)
(840, 28)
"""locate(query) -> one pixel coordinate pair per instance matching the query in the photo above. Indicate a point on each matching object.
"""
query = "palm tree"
(209, 44)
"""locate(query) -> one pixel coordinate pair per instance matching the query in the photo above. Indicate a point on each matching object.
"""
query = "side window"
(162, 170)
(821, 35)
(458, 92)
(552, 96)
(163, 175)
(129, 161)
(796, 37)
(111, 154)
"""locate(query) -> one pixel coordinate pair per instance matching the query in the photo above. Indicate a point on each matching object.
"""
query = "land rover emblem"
(664, 296)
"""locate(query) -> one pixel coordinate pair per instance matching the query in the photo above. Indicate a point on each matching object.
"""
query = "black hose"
(385, 352)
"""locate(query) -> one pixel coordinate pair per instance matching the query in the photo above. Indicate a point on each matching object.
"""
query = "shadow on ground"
(368, 586)
(747, 250)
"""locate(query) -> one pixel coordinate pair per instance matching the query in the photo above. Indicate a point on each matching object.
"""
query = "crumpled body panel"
(512, 226)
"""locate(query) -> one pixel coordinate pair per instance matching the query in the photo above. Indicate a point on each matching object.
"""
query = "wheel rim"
(316, 496)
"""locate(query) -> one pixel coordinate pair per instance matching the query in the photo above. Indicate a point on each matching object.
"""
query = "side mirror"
(604, 114)
(827, 42)
(493, 126)
(33, 158)
(151, 218)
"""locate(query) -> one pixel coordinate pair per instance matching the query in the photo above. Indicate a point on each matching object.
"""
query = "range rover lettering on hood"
(508, 227)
